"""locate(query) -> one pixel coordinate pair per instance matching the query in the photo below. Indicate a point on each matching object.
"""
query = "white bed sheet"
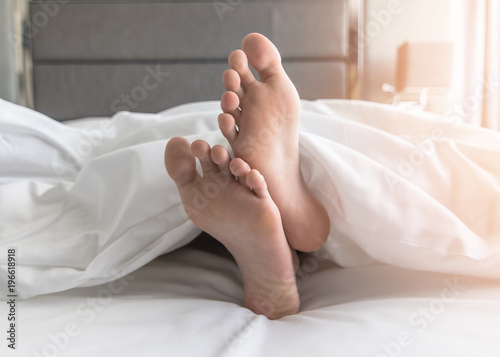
(83, 206)
(188, 303)
(89, 203)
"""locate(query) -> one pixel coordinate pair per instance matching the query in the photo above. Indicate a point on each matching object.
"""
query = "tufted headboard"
(93, 58)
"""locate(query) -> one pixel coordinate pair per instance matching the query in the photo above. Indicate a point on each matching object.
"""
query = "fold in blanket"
(85, 204)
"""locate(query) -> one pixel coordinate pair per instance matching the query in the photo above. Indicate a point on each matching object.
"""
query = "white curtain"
(476, 79)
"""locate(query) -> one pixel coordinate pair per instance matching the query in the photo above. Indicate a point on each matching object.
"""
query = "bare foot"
(242, 216)
(266, 114)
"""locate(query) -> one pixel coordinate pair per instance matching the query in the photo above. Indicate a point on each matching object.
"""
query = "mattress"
(107, 262)
(188, 303)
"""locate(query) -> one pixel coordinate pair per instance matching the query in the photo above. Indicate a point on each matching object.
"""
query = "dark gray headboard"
(93, 58)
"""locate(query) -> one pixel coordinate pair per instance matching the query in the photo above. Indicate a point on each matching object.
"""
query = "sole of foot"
(231, 202)
(260, 120)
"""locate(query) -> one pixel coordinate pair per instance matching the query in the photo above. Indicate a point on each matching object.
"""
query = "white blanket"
(83, 205)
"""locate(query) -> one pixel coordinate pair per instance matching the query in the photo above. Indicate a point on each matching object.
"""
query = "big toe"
(262, 55)
(180, 161)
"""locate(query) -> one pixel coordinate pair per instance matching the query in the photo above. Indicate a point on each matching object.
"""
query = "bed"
(107, 263)
(107, 48)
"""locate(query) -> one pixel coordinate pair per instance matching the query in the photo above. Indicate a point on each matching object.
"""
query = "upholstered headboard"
(93, 58)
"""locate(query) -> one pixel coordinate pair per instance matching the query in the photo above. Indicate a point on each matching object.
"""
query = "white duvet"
(85, 204)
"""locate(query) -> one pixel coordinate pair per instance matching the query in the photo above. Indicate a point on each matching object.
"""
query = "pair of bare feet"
(261, 216)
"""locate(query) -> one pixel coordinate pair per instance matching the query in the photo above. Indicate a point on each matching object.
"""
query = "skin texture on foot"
(260, 121)
(242, 216)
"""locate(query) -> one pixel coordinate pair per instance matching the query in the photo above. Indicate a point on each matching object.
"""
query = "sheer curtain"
(476, 79)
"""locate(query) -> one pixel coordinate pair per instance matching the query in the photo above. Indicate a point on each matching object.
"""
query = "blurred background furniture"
(94, 58)
(422, 68)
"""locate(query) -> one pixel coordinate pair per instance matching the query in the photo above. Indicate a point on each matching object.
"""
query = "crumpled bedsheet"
(86, 203)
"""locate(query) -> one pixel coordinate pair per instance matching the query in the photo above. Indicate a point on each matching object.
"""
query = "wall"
(389, 23)
(7, 57)
(12, 59)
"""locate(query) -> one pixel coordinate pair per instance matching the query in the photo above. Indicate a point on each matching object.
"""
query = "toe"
(232, 82)
(230, 104)
(238, 61)
(240, 169)
(221, 157)
(201, 150)
(227, 126)
(180, 161)
(256, 182)
(262, 55)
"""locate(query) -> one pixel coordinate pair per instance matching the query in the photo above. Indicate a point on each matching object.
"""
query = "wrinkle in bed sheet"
(86, 204)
